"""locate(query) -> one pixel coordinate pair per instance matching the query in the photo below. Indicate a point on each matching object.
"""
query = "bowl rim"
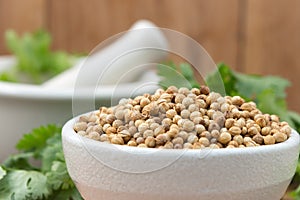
(70, 136)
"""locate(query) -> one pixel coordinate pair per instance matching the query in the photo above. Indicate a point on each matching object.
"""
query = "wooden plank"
(79, 26)
(22, 16)
(273, 42)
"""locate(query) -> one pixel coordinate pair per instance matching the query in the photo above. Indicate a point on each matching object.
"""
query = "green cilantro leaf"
(182, 76)
(69, 194)
(37, 139)
(19, 161)
(36, 62)
(227, 78)
(58, 176)
(52, 152)
(21, 184)
(49, 180)
(171, 76)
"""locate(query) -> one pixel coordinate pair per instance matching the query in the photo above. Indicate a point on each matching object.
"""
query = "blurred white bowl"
(24, 106)
(113, 172)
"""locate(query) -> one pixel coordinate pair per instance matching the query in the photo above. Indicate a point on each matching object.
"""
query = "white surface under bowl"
(114, 172)
(24, 106)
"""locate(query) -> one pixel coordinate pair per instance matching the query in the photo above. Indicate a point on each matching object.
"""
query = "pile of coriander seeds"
(183, 119)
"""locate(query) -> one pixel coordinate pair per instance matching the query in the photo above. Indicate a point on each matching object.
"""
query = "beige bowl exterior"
(114, 172)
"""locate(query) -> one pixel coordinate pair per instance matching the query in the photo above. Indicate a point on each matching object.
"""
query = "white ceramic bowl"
(114, 172)
(24, 106)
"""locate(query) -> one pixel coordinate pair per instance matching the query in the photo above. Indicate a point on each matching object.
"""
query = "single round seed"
(138, 122)
(172, 132)
(280, 137)
(174, 126)
(235, 130)
(82, 133)
(224, 107)
(143, 127)
(166, 123)
(168, 145)
(188, 126)
(237, 100)
(187, 146)
(233, 143)
(239, 139)
(162, 139)
(197, 120)
(148, 133)
(171, 113)
(140, 140)
(253, 131)
(215, 133)
(229, 123)
(80, 126)
(163, 107)
(150, 141)
(144, 102)
(132, 130)
(111, 130)
(258, 139)
(179, 98)
(213, 126)
(220, 120)
(187, 102)
(250, 144)
(261, 122)
(204, 90)
(178, 146)
(184, 91)
(274, 118)
(194, 115)
(193, 108)
(83, 119)
(192, 139)
(199, 128)
(185, 114)
(269, 139)
(104, 138)
(120, 114)
(224, 138)
(215, 106)
(201, 103)
(247, 139)
(204, 141)
(178, 140)
(184, 135)
(117, 123)
(195, 91)
(117, 140)
(132, 143)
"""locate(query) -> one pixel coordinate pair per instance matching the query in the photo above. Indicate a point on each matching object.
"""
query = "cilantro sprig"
(20, 179)
(36, 62)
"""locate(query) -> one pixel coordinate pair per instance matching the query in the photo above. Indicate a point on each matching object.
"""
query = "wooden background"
(253, 36)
